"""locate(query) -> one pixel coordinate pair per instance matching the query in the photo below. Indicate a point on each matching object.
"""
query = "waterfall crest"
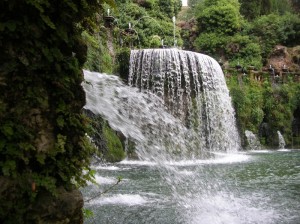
(140, 117)
(193, 88)
(177, 104)
(177, 110)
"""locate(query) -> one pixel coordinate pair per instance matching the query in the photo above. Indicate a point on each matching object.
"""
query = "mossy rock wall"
(110, 143)
(42, 129)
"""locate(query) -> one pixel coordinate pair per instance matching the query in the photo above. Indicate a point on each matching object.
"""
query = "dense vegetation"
(266, 107)
(234, 32)
(42, 131)
(136, 24)
(224, 32)
(244, 33)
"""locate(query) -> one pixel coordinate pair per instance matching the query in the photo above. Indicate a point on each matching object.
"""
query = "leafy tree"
(146, 23)
(273, 29)
(255, 8)
(221, 34)
(219, 16)
(170, 7)
(211, 43)
(241, 49)
(248, 103)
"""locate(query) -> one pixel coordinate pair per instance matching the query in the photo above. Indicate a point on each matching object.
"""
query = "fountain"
(177, 111)
(253, 142)
(108, 20)
(162, 44)
(174, 29)
(192, 87)
(281, 142)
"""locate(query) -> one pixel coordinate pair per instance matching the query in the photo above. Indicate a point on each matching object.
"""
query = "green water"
(260, 187)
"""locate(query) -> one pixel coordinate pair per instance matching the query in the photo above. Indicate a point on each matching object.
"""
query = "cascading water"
(178, 112)
(281, 141)
(159, 137)
(140, 117)
(177, 108)
(193, 89)
(253, 142)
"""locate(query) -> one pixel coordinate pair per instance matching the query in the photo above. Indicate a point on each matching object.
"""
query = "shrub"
(222, 19)
(210, 43)
(273, 29)
(240, 49)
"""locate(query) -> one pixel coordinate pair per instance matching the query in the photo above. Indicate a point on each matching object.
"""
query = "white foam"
(283, 150)
(121, 199)
(101, 167)
(138, 162)
(228, 209)
(260, 151)
(221, 159)
(231, 158)
(103, 180)
(186, 172)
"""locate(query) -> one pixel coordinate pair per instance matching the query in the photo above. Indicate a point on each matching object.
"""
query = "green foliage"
(98, 55)
(273, 29)
(220, 18)
(218, 21)
(148, 4)
(87, 213)
(242, 50)
(107, 141)
(290, 26)
(170, 7)
(115, 151)
(155, 41)
(224, 34)
(42, 134)
(151, 22)
(148, 22)
(256, 102)
(248, 102)
(211, 43)
(255, 8)
(123, 57)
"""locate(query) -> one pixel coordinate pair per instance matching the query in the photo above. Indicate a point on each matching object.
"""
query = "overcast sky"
(184, 2)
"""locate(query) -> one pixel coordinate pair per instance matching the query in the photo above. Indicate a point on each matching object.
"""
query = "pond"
(260, 187)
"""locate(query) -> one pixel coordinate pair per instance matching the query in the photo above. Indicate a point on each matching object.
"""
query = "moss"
(265, 108)
(123, 58)
(115, 151)
(42, 130)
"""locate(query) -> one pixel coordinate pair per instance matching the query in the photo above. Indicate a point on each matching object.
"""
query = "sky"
(184, 2)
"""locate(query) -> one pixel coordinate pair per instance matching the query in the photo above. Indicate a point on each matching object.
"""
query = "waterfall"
(177, 110)
(193, 88)
(140, 117)
(253, 142)
(176, 102)
(281, 142)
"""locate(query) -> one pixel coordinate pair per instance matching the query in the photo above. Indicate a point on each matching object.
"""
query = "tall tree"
(256, 8)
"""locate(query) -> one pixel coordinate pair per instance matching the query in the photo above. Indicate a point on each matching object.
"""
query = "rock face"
(65, 207)
(110, 144)
(285, 59)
